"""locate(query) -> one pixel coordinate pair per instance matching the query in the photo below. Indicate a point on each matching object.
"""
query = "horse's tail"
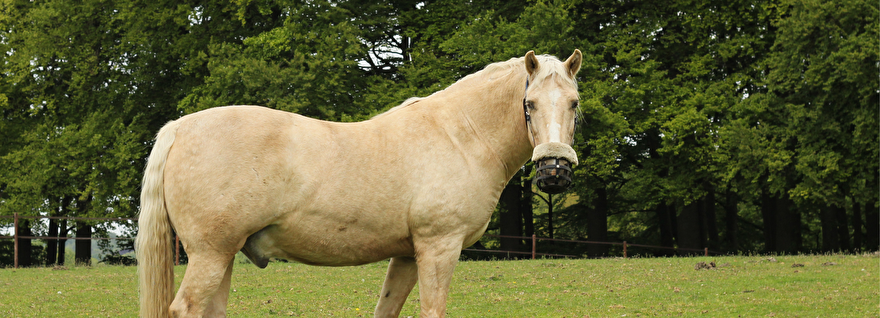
(153, 243)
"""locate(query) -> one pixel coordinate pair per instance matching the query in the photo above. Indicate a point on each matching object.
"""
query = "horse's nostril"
(553, 175)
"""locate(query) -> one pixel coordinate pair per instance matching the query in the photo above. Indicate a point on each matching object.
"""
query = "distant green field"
(746, 286)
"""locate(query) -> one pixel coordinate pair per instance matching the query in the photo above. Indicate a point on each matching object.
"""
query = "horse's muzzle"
(553, 175)
(554, 161)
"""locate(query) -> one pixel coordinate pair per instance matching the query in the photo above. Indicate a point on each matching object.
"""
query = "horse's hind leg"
(200, 291)
(399, 281)
(217, 308)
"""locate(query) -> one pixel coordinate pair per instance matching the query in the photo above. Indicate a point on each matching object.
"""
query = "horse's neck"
(494, 116)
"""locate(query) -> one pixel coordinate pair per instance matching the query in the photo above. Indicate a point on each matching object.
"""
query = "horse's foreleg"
(399, 281)
(205, 275)
(435, 265)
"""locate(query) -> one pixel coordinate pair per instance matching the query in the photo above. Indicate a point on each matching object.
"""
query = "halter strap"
(526, 111)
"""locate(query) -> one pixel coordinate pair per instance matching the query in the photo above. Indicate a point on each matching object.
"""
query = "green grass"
(750, 286)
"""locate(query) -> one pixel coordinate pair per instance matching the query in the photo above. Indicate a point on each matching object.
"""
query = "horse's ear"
(531, 62)
(573, 63)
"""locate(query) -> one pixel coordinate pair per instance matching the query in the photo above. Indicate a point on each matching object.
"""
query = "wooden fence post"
(624, 249)
(533, 246)
(705, 251)
(15, 239)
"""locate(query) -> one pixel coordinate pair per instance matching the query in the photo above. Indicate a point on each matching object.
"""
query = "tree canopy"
(748, 125)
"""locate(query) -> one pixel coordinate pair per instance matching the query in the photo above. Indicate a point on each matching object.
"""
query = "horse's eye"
(575, 104)
(530, 104)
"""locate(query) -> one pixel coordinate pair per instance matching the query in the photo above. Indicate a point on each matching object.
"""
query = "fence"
(533, 239)
(16, 236)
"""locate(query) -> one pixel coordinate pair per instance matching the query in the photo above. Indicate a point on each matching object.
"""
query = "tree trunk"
(796, 219)
(768, 214)
(597, 224)
(83, 254)
(872, 226)
(830, 239)
(730, 221)
(25, 249)
(689, 234)
(857, 227)
(510, 217)
(842, 227)
(526, 203)
(550, 214)
(666, 224)
(787, 225)
(62, 241)
(710, 223)
(52, 244)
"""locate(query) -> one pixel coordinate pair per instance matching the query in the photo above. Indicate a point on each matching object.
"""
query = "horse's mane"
(515, 66)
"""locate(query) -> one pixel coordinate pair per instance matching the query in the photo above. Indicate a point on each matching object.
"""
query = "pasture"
(747, 286)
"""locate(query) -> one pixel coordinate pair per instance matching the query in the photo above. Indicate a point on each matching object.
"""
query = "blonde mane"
(514, 66)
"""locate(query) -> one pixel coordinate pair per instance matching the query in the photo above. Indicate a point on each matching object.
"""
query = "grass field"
(746, 286)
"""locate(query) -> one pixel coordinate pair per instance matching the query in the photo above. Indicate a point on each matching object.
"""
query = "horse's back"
(236, 171)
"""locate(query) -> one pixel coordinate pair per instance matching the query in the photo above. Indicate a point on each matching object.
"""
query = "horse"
(416, 185)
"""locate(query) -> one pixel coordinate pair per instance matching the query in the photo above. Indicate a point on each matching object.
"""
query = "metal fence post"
(624, 249)
(533, 246)
(15, 238)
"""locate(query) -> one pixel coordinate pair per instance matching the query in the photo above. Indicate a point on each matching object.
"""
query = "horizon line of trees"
(742, 126)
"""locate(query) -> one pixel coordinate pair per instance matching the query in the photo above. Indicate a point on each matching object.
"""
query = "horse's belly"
(326, 245)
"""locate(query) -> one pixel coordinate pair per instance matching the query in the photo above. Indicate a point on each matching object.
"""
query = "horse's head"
(550, 105)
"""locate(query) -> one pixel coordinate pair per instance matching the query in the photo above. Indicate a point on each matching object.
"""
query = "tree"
(69, 141)
(823, 72)
(744, 125)
(308, 65)
(88, 84)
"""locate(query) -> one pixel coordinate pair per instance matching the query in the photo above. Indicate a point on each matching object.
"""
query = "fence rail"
(534, 239)
(534, 252)
(16, 237)
(64, 218)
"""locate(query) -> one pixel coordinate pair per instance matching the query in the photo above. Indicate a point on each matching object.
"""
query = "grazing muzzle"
(553, 175)
(554, 161)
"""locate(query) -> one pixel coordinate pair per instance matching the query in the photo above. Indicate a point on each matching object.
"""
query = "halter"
(526, 111)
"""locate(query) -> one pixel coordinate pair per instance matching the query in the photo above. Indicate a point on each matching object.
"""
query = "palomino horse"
(416, 184)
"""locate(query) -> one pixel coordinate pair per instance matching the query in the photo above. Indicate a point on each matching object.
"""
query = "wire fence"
(534, 253)
(16, 237)
(533, 239)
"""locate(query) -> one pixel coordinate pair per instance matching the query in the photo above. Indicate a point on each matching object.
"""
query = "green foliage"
(307, 65)
(822, 69)
(682, 102)
(67, 89)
